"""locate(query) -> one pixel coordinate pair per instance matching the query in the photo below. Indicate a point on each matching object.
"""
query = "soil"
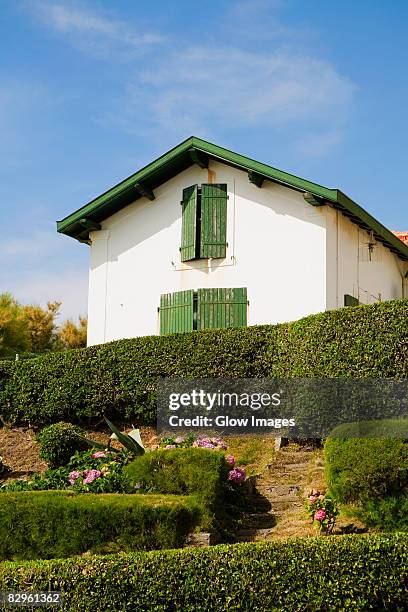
(21, 453)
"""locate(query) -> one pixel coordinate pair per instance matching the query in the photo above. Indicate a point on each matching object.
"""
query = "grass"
(252, 453)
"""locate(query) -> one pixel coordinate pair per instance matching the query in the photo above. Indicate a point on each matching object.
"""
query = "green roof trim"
(194, 150)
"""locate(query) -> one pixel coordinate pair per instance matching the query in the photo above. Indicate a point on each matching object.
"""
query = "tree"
(41, 326)
(73, 336)
(14, 337)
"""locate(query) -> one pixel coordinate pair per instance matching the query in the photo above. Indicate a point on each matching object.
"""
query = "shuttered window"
(176, 312)
(221, 308)
(349, 300)
(213, 230)
(204, 222)
(189, 223)
(184, 311)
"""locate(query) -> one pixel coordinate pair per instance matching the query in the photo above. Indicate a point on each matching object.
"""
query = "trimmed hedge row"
(371, 473)
(185, 471)
(360, 469)
(119, 378)
(337, 573)
(49, 524)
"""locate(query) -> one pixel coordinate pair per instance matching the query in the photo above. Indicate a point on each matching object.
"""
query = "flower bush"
(322, 510)
(235, 475)
(87, 472)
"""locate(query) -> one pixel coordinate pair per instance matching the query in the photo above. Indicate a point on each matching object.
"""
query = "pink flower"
(91, 475)
(237, 475)
(73, 476)
(170, 446)
(179, 440)
(98, 454)
(230, 459)
(321, 497)
(203, 443)
(312, 499)
(320, 515)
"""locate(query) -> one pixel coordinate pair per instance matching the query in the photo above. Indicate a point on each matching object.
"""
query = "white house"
(204, 237)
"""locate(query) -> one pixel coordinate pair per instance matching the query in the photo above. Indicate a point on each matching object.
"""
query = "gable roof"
(196, 151)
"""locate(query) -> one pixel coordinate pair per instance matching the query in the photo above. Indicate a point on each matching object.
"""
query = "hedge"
(119, 378)
(186, 471)
(347, 572)
(362, 469)
(48, 524)
(371, 474)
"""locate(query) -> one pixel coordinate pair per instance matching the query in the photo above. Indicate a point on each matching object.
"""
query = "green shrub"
(119, 378)
(59, 442)
(388, 514)
(184, 471)
(360, 469)
(372, 474)
(47, 524)
(340, 573)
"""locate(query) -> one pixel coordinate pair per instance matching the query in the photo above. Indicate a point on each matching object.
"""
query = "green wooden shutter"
(189, 223)
(213, 234)
(221, 308)
(176, 312)
(349, 300)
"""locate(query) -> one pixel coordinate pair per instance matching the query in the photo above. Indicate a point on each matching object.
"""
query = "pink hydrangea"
(179, 440)
(73, 476)
(312, 499)
(203, 443)
(98, 455)
(91, 475)
(237, 475)
(230, 459)
(320, 515)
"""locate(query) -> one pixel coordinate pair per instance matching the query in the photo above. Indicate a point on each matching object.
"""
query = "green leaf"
(126, 440)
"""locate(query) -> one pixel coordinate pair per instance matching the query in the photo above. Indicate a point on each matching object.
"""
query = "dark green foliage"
(360, 469)
(119, 379)
(345, 573)
(372, 474)
(388, 514)
(59, 442)
(184, 471)
(47, 524)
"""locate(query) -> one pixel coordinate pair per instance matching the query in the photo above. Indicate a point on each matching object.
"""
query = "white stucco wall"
(351, 270)
(276, 248)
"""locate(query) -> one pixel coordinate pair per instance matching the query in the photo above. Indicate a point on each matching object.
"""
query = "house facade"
(203, 237)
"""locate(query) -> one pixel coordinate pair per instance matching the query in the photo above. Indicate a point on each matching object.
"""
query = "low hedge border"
(345, 572)
(51, 524)
(119, 378)
(185, 471)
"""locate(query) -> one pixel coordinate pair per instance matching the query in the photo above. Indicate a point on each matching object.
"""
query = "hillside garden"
(93, 512)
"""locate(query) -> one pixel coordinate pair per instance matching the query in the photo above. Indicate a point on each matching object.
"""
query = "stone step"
(260, 520)
(276, 491)
(253, 535)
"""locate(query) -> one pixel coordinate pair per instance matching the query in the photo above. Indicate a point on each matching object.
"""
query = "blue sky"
(92, 90)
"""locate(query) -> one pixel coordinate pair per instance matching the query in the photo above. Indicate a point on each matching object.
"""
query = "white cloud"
(86, 27)
(204, 87)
